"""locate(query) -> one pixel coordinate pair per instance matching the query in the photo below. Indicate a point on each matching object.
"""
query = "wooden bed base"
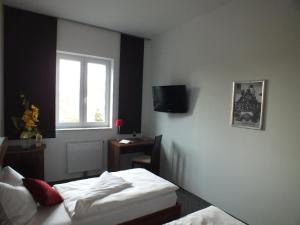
(157, 218)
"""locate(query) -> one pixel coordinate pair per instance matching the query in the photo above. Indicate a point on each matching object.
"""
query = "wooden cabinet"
(28, 162)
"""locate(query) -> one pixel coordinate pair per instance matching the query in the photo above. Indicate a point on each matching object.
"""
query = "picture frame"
(247, 107)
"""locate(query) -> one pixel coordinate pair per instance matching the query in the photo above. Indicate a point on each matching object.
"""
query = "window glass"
(96, 90)
(69, 91)
(83, 91)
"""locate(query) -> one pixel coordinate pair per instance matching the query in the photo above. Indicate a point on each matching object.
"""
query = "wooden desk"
(28, 162)
(115, 149)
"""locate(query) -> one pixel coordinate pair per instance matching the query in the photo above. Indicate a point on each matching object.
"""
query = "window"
(83, 91)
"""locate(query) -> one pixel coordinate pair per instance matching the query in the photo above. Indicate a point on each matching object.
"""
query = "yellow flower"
(26, 117)
(35, 116)
(35, 113)
(29, 124)
(34, 108)
(27, 112)
(29, 118)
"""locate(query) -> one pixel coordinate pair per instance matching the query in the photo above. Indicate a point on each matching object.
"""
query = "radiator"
(85, 156)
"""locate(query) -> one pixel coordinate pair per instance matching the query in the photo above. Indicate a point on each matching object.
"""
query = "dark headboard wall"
(131, 83)
(29, 67)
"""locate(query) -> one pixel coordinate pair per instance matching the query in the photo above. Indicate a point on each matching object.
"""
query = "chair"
(150, 162)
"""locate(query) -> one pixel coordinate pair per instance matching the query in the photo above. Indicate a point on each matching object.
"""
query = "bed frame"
(157, 218)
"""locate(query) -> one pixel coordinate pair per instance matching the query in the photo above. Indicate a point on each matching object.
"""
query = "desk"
(28, 162)
(115, 149)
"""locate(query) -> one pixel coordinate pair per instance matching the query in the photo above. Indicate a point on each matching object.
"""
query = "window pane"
(96, 85)
(69, 91)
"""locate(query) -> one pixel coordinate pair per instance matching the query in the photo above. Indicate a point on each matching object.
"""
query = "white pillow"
(16, 205)
(10, 176)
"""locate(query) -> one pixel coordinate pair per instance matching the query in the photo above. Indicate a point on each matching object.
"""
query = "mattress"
(144, 186)
(57, 215)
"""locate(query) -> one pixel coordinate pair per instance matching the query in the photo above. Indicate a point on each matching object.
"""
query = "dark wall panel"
(29, 67)
(131, 83)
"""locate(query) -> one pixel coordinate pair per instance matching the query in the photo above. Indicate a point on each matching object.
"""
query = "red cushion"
(42, 192)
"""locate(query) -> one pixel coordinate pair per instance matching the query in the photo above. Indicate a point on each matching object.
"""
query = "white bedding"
(145, 186)
(57, 215)
(208, 216)
(84, 197)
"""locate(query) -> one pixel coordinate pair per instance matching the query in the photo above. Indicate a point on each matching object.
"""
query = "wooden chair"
(150, 162)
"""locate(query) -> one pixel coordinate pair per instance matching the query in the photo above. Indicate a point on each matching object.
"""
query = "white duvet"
(103, 186)
(140, 185)
(208, 216)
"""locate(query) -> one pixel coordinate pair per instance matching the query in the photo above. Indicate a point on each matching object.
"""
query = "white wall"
(1, 70)
(252, 174)
(78, 38)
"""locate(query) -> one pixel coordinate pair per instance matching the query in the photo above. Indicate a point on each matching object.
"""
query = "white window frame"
(85, 59)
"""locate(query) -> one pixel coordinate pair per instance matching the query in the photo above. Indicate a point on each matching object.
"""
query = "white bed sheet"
(145, 185)
(208, 216)
(57, 215)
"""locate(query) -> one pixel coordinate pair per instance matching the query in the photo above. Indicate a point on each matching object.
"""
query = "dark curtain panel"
(131, 83)
(29, 67)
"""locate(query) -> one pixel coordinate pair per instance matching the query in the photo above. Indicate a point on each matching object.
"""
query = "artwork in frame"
(248, 104)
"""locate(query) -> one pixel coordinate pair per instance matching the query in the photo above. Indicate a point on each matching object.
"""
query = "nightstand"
(28, 162)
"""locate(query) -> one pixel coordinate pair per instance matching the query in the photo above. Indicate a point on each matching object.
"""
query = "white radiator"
(85, 156)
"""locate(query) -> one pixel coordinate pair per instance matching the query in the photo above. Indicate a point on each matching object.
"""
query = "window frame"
(84, 60)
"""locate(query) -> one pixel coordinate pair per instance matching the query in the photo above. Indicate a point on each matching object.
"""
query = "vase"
(25, 139)
(25, 143)
(38, 140)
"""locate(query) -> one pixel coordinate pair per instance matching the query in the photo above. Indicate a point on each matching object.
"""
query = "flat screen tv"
(171, 99)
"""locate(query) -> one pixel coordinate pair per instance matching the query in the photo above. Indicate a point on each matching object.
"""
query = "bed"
(152, 209)
(208, 216)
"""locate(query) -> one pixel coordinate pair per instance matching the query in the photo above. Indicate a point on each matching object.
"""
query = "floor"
(190, 202)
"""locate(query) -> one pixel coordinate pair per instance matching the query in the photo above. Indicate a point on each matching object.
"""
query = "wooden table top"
(134, 142)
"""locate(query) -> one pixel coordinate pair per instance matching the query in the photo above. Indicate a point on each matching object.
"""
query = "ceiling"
(144, 18)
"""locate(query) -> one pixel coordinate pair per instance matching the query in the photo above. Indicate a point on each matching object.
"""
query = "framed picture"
(248, 104)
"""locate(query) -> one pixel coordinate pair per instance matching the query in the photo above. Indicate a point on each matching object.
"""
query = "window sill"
(83, 128)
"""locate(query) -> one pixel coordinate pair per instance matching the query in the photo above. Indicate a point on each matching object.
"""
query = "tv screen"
(171, 98)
